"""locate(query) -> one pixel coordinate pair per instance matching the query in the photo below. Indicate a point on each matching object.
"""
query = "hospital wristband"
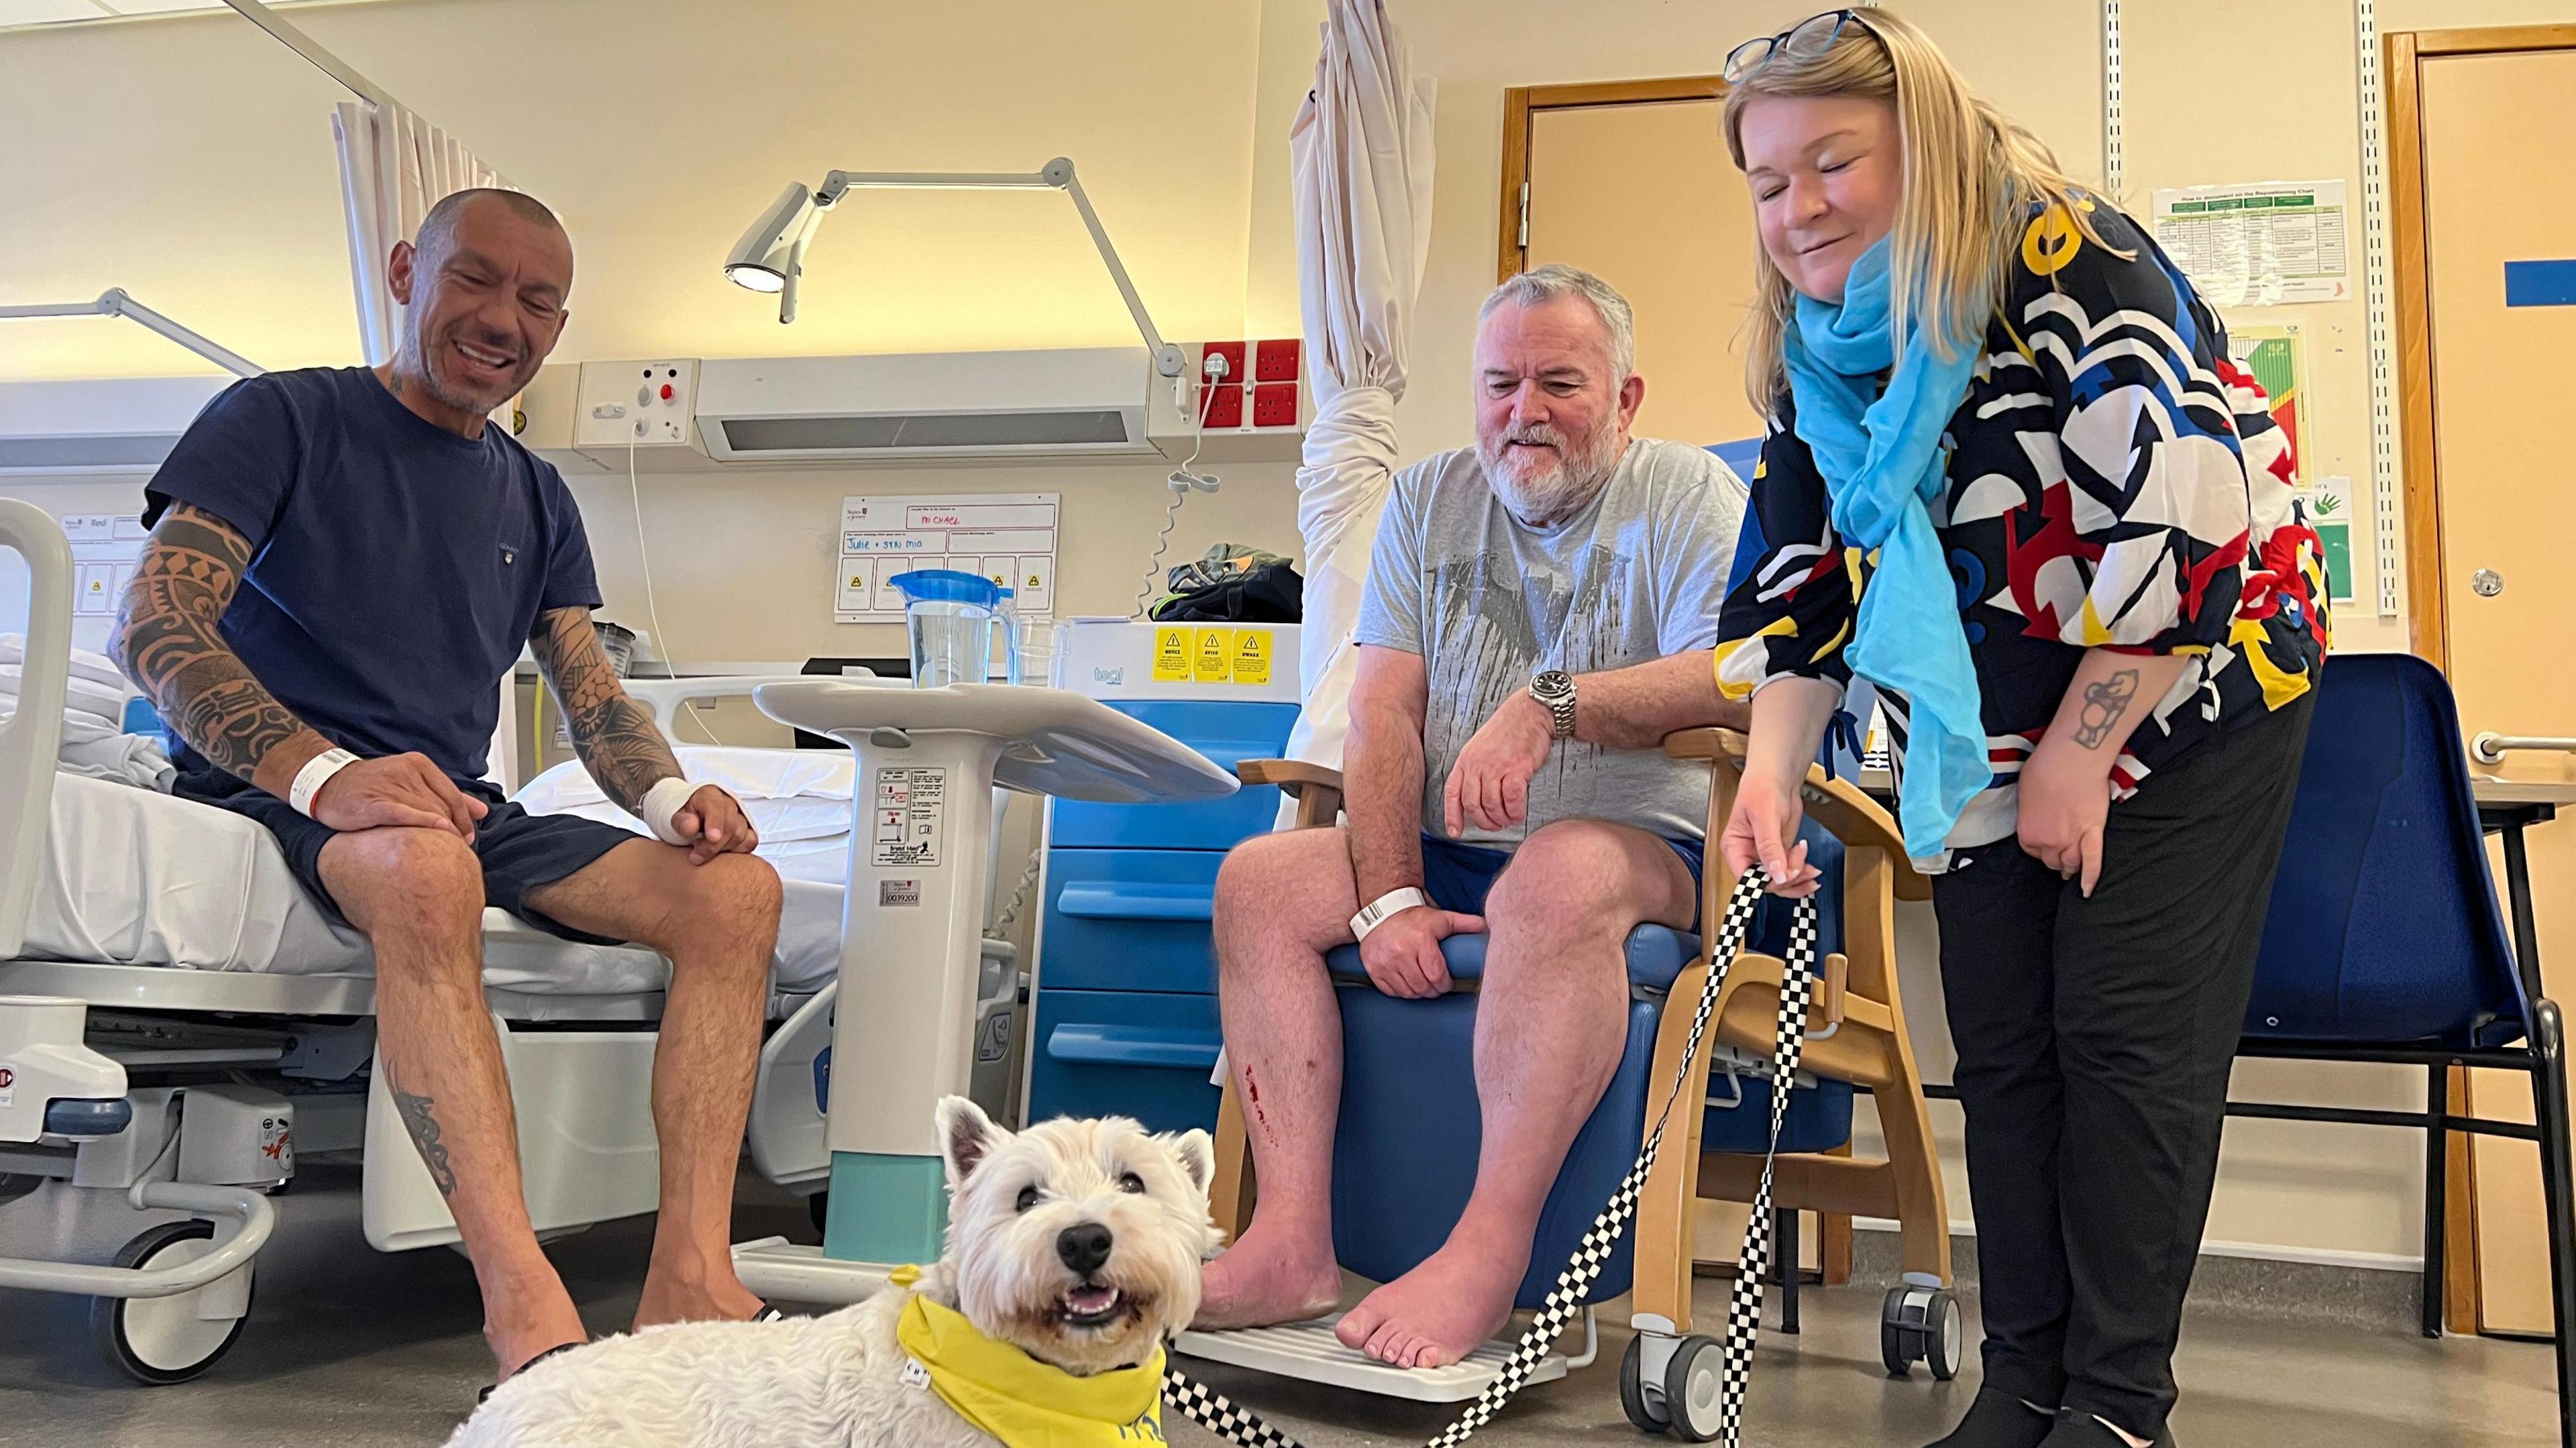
(1378, 911)
(665, 799)
(316, 773)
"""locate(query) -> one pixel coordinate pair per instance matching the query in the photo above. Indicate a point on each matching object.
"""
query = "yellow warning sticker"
(1252, 651)
(1215, 655)
(1171, 655)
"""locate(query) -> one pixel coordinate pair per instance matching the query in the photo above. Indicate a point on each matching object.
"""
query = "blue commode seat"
(1404, 1156)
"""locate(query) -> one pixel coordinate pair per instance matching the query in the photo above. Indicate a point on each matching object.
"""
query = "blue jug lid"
(947, 585)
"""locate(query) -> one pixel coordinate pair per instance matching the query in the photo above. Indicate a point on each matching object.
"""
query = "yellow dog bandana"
(1025, 1403)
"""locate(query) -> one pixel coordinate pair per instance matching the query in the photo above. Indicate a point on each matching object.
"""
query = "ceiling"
(19, 14)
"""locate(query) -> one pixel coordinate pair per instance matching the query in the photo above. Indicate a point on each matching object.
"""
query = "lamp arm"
(1058, 174)
(1168, 360)
(115, 303)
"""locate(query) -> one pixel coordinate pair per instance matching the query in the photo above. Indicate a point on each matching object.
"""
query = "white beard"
(1560, 490)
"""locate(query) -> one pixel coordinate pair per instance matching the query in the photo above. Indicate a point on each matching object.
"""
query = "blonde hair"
(1971, 175)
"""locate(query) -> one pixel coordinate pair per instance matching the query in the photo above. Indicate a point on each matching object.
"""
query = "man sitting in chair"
(343, 567)
(1541, 611)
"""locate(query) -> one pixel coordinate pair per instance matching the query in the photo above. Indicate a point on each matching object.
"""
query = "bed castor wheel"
(1690, 1388)
(1921, 1325)
(158, 1341)
(1644, 1410)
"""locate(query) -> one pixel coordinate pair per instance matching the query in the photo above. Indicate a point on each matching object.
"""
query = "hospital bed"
(178, 1020)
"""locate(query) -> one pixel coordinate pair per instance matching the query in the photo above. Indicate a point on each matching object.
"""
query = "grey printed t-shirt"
(1489, 602)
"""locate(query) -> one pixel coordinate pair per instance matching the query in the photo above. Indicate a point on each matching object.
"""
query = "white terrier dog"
(1075, 1243)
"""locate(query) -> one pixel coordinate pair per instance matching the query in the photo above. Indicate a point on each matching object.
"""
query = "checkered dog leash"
(1213, 1411)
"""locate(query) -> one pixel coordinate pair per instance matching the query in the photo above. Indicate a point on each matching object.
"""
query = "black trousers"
(2094, 1039)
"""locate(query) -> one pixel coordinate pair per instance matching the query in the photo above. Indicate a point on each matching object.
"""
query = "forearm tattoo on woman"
(2104, 703)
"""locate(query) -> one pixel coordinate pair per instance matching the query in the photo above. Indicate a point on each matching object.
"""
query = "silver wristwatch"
(1555, 689)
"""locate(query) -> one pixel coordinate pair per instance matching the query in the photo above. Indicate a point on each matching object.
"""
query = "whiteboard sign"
(1009, 538)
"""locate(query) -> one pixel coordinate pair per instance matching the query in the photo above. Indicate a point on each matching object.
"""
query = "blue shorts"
(1458, 877)
(519, 851)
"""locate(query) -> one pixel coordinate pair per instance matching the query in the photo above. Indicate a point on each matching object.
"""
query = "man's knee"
(1295, 882)
(1572, 879)
(413, 881)
(727, 902)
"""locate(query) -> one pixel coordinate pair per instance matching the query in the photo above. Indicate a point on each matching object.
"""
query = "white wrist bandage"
(662, 801)
(316, 772)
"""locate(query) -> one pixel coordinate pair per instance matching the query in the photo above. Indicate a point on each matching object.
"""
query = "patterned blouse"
(2115, 481)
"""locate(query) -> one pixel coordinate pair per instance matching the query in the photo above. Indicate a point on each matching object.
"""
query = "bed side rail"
(30, 741)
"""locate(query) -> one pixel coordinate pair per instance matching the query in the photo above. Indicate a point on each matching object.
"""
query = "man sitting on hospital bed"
(1540, 612)
(343, 567)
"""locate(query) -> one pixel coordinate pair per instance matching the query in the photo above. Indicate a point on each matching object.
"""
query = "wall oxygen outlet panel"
(645, 404)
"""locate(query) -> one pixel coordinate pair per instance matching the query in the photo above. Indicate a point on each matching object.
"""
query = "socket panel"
(645, 404)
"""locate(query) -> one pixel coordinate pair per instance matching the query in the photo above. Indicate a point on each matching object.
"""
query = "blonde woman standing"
(2012, 478)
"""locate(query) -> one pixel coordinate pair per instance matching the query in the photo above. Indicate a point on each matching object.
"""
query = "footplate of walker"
(1309, 1353)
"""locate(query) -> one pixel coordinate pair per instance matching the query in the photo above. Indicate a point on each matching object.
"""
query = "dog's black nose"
(1083, 1247)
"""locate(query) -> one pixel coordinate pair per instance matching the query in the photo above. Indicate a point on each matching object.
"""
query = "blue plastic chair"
(2385, 944)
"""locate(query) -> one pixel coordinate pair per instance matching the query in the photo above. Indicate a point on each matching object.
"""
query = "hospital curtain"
(394, 166)
(1361, 152)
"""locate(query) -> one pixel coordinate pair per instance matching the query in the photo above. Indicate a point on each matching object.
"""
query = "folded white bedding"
(94, 743)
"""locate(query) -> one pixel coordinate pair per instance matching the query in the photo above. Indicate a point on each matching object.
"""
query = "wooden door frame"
(1521, 105)
(2427, 606)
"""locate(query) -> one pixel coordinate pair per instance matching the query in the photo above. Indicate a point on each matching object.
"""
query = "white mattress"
(137, 878)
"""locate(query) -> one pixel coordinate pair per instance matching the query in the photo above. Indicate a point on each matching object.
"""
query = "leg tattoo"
(424, 1136)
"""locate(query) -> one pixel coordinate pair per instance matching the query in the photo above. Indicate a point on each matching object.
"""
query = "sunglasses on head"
(1805, 40)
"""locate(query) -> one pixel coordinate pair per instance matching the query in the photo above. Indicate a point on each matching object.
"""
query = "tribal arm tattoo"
(169, 640)
(2104, 703)
(424, 1138)
(615, 736)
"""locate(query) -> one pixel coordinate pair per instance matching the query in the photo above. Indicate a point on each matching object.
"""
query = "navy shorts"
(519, 851)
(1458, 877)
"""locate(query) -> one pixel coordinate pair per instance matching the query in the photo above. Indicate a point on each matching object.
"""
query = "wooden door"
(2496, 212)
(1633, 182)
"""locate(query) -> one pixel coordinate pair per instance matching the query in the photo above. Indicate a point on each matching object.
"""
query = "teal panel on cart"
(1121, 1053)
(1227, 733)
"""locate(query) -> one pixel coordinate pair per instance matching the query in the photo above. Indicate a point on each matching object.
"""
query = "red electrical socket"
(1275, 361)
(1223, 402)
(1274, 404)
(1232, 352)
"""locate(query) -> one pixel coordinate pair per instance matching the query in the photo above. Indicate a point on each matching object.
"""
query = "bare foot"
(693, 1292)
(525, 1316)
(1263, 1279)
(515, 1346)
(1437, 1313)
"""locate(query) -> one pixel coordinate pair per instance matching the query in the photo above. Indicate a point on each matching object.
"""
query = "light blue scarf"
(1880, 454)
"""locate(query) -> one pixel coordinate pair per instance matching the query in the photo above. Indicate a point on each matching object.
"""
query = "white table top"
(2522, 791)
(1059, 743)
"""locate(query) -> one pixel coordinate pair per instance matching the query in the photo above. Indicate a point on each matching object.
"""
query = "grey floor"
(349, 1347)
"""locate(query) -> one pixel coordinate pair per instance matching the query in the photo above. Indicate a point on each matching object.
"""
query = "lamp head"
(770, 254)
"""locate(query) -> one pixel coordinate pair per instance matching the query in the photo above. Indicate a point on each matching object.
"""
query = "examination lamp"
(771, 256)
(115, 303)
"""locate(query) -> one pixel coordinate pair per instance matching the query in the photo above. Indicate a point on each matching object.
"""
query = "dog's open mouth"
(1095, 1305)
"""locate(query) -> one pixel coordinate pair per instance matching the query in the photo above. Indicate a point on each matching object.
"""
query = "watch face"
(1554, 681)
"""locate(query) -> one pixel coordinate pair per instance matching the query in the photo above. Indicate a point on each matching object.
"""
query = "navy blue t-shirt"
(396, 568)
